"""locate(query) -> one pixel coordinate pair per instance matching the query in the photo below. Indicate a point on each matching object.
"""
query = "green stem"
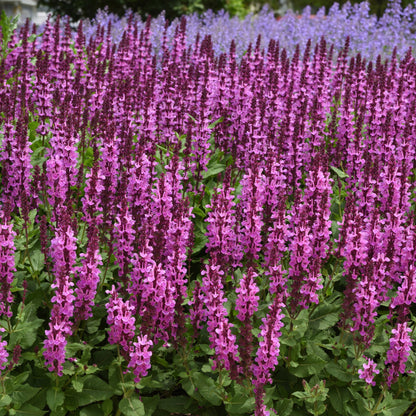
(110, 252)
(413, 411)
(380, 398)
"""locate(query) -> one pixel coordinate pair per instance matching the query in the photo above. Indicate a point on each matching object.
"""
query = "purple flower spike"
(121, 320)
(3, 352)
(140, 355)
(397, 355)
(7, 266)
(63, 253)
(369, 371)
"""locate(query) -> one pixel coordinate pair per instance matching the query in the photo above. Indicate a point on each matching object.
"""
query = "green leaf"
(307, 366)
(150, 404)
(8, 26)
(300, 324)
(55, 398)
(37, 259)
(214, 123)
(396, 407)
(315, 350)
(335, 370)
(29, 410)
(338, 397)
(175, 404)
(94, 390)
(107, 407)
(198, 211)
(301, 394)
(206, 349)
(103, 359)
(207, 388)
(200, 241)
(25, 331)
(359, 407)
(213, 171)
(59, 412)
(131, 406)
(240, 405)
(325, 316)
(5, 400)
(191, 390)
(91, 410)
(77, 385)
(23, 393)
(339, 172)
(284, 407)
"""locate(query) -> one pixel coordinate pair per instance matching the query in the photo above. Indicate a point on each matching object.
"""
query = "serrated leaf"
(316, 351)
(23, 393)
(359, 402)
(175, 404)
(94, 390)
(338, 397)
(213, 171)
(58, 412)
(301, 395)
(325, 316)
(25, 331)
(37, 260)
(214, 123)
(103, 358)
(240, 405)
(335, 370)
(5, 400)
(300, 325)
(91, 410)
(77, 385)
(107, 407)
(284, 407)
(339, 172)
(207, 388)
(29, 410)
(396, 407)
(150, 404)
(206, 349)
(200, 241)
(308, 366)
(55, 398)
(131, 406)
(114, 379)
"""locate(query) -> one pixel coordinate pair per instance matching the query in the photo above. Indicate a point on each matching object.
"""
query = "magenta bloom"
(219, 326)
(397, 355)
(63, 253)
(3, 352)
(269, 346)
(88, 277)
(247, 299)
(369, 371)
(140, 355)
(121, 320)
(7, 266)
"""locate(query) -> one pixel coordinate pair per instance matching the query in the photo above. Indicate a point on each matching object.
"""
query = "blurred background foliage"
(78, 9)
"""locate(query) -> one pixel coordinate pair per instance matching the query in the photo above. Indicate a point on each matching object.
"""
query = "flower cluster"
(400, 346)
(140, 356)
(181, 182)
(63, 252)
(368, 371)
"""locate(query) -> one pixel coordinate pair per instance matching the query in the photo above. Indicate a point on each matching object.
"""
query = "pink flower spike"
(369, 371)
(397, 355)
(140, 356)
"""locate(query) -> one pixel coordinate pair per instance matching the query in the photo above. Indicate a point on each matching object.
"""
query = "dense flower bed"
(189, 232)
(368, 35)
